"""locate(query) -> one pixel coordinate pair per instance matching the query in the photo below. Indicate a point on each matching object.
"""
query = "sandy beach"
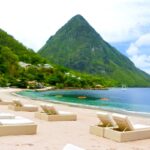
(55, 135)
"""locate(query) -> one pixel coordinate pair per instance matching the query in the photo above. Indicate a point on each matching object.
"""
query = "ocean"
(126, 100)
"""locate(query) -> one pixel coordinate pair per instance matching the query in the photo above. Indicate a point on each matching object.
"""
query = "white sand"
(55, 135)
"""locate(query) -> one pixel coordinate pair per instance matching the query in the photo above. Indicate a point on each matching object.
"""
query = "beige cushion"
(72, 147)
(6, 115)
(106, 119)
(65, 113)
(16, 121)
(140, 126)
(29, 106)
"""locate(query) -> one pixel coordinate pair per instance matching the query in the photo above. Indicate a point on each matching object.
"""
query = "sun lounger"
(72, 147)
(105, 122)
(17, 126)
(5, 102)
(18, 106)
(49, 113)
(126, 131)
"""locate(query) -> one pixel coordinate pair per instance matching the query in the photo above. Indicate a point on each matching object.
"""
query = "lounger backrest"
(106, 119)
(17, 103)
(123, 122)
(49, 109)
(44, 108)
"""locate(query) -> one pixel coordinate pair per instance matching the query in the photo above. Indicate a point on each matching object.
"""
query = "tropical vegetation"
(22, 67)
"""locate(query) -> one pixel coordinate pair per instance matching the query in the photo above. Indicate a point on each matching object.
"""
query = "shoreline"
(53, 88)
(71, 88)
(111, 110)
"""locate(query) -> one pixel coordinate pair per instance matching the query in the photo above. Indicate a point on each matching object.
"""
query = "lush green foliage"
(24, 54)
(78, 46)
(12, 74)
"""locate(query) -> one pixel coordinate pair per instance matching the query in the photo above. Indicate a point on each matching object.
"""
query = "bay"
(131, 100)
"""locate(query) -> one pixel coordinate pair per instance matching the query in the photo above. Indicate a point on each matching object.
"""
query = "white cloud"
(144, 40)
(34, 21)
(142, 62)
(132, 50)
(139, 54)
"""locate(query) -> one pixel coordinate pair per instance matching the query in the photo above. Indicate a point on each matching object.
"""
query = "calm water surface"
(134, 100)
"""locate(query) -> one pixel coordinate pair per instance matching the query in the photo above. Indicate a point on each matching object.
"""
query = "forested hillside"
(22, 67)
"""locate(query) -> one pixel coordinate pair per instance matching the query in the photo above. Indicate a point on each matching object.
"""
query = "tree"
(9, 61)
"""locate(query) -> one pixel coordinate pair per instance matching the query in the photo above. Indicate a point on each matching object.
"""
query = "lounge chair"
(5, 102)
(19, 106)
(49, 113)
(72, 147)
(17, 126)
(126, 131)
(105, 122)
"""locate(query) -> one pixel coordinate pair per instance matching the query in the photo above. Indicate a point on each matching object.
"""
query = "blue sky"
(123, 23)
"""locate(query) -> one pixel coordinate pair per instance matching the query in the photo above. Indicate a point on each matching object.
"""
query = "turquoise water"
(134, 100)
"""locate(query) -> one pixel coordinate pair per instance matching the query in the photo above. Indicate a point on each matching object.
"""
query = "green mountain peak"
(78, 17)
(78, 46)
(78, 20)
